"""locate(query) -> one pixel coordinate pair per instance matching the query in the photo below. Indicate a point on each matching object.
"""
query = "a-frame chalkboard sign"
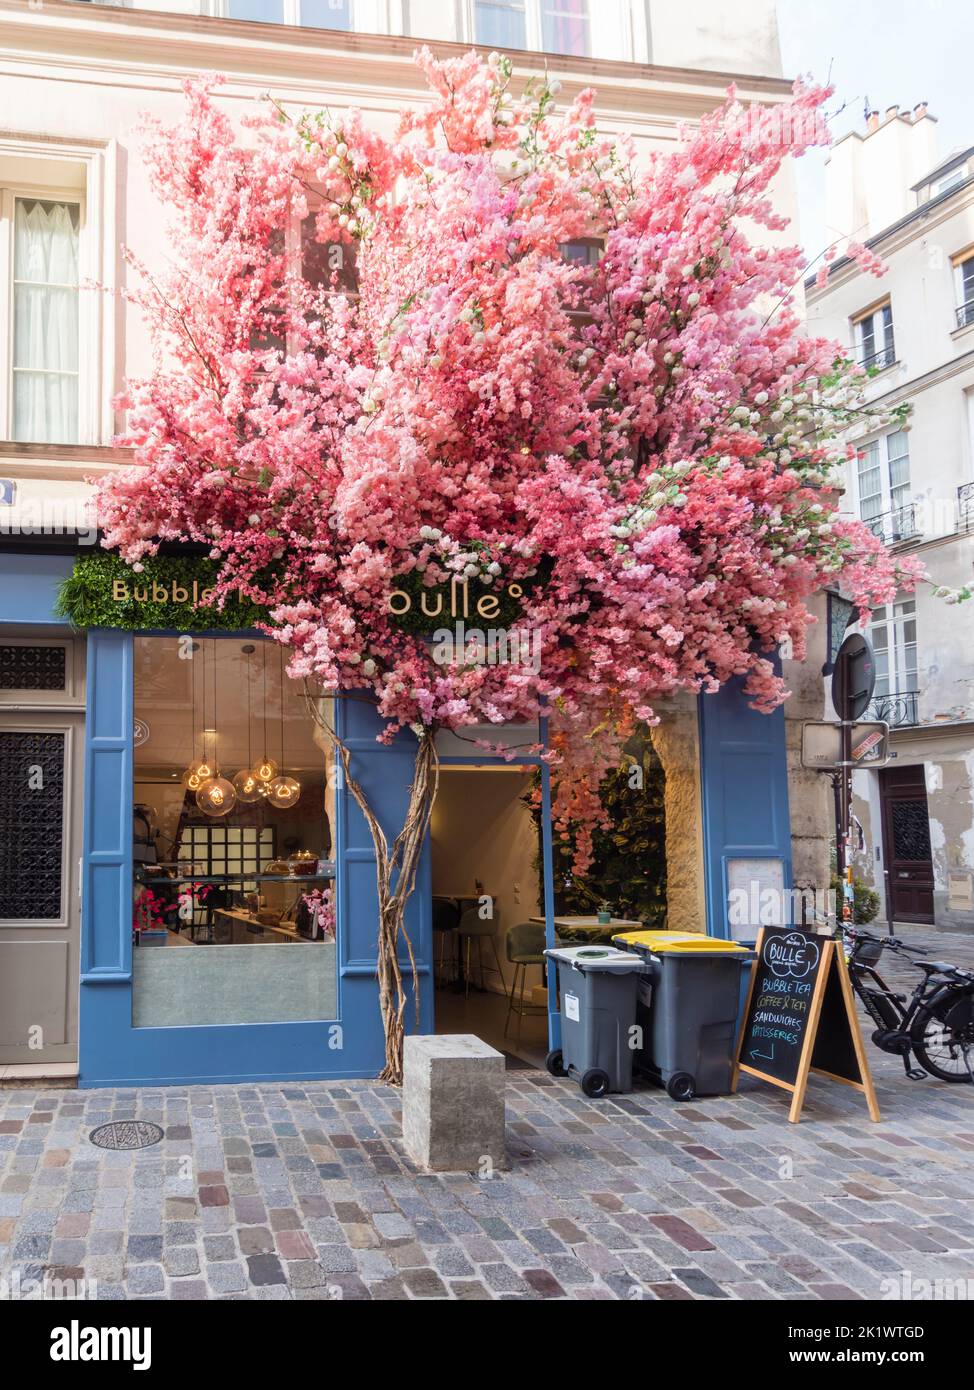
(801, 1017)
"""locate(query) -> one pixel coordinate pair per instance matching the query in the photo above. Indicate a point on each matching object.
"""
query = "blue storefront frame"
(744, 812)
(113, 1051)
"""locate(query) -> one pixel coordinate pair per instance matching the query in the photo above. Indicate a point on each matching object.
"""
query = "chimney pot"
(892, 111)
(872, 121)
(919, 111)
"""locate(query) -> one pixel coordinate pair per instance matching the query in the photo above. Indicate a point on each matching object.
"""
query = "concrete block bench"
(453, 1104)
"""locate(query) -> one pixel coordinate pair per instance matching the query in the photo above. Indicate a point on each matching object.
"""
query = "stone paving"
(302, 1191)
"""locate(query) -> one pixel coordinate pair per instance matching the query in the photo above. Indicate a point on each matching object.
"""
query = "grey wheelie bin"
(688, 1008)
(597, 989)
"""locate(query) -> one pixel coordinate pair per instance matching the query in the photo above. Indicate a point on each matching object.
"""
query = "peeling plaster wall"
(948, 763)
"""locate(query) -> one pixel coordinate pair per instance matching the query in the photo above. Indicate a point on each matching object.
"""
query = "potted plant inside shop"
(605, 914)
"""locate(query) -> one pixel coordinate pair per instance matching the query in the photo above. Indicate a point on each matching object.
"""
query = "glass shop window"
(232, 838)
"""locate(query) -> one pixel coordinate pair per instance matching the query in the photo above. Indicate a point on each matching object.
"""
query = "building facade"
(914, 485)
(106, 728)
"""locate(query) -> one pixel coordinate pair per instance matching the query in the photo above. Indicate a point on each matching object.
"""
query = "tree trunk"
(395, 880)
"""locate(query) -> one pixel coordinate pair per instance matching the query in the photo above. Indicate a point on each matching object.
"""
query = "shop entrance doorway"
(41, 770)
(488, 914)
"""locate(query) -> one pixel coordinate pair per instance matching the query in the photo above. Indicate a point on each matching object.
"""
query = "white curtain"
(45, 360)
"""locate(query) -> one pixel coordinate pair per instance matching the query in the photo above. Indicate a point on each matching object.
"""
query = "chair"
(446, 919)
(473, 927)
(525, 946)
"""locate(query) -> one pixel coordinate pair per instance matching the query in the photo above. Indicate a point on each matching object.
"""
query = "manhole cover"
(126, 1134)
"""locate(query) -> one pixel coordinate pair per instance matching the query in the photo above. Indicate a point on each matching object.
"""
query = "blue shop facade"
(131, 898)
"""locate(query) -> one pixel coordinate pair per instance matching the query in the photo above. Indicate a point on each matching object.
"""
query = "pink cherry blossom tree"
(634, 448)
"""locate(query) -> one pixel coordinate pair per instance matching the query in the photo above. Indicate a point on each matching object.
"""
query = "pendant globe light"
(265, 769)
(283, 791)
(245, 784)
(199, 770)
(217, 796)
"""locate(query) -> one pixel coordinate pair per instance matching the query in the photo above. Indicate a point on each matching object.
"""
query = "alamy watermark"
(757, 906)
(51, 516)
(493, 646)
(909, 1289)
(17, 1286)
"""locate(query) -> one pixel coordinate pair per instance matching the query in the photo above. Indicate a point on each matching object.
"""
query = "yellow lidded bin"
(658, 942)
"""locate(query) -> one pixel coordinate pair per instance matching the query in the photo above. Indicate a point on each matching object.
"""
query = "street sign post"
(822, 745)
(854, 677)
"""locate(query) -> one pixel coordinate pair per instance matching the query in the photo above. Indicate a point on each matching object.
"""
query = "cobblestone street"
(303, 1191)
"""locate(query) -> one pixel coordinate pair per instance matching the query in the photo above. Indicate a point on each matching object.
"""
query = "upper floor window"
(884, 487)
(952, 180)
(548, 26)
(324, 265)
(585, 251)
(40, 245)
(875, 347)
(315, 14)
(893, 635)
(964, 283)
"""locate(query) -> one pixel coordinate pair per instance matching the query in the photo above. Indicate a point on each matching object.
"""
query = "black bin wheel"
(595, 1083)
(555, 1063)
(680, 1086)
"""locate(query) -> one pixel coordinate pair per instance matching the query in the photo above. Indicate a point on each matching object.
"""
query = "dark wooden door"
(906, 844)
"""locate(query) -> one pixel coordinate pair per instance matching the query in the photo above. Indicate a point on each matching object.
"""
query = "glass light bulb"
(217, 797)
(284, 792)
(265, 769)
(198, 772)
(246, 786)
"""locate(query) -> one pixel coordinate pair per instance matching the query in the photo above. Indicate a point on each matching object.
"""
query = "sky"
(889, 52)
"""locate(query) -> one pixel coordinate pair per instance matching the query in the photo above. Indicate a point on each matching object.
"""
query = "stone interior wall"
(810, 793)
(677, 742)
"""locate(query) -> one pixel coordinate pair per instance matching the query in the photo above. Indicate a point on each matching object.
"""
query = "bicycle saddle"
(936, 967)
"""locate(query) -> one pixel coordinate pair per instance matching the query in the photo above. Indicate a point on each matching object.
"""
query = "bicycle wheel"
(943, 1036)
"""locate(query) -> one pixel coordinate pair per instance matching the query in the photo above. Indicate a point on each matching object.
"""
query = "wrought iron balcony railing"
(898, 525)
(879, 360)
(899, 709)
(965, 506)
(965, 314)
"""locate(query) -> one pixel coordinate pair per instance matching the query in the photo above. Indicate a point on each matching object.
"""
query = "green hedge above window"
(103, 591)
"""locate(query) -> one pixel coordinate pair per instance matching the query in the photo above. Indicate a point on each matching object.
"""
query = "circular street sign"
(854, 677)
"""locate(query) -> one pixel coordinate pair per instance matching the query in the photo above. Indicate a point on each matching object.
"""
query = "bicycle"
(936, 1023)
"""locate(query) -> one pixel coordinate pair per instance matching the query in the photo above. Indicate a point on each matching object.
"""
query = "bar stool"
(446, 919)
(473, 927)
(524, 946)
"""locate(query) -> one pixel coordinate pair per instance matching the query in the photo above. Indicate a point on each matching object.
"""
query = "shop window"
(232, 838)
